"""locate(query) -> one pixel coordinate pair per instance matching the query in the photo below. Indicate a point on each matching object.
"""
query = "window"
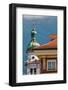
(51, 65)
(33, 57)
(34, 70)
(31, 71)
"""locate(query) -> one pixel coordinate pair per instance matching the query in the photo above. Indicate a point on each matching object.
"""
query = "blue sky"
(44, 25)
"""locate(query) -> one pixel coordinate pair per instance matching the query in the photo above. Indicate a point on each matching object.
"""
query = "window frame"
(53, 60)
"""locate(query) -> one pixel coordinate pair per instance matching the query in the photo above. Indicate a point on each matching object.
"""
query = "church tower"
(33, 64)
(33, 43)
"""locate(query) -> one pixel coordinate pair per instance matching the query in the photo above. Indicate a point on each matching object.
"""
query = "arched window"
(31, 71)
(34, 70)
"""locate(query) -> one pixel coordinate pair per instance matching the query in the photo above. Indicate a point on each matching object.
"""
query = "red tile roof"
(53, 36)
(50, 44)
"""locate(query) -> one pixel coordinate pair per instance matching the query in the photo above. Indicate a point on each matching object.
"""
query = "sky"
(44, 25)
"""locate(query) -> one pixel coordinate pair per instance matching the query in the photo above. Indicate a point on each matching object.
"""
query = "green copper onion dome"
(33, 43)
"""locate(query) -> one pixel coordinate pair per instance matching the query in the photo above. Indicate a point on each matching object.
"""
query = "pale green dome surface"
(33, 45)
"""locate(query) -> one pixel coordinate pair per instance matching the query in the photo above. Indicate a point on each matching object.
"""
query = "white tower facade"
(33, 65)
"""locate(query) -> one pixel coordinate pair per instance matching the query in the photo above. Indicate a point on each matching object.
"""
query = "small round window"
(33, 57)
